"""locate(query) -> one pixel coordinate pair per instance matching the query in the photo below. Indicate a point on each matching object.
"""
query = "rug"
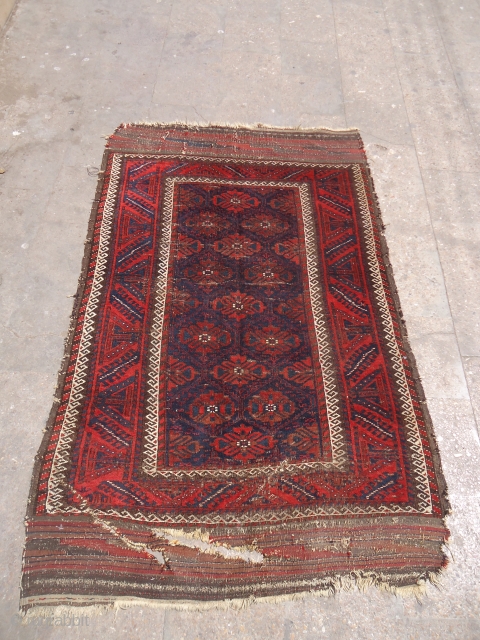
(239, 415)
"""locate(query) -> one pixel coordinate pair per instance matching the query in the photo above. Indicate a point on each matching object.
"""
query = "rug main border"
(445, 508)
(382, 301)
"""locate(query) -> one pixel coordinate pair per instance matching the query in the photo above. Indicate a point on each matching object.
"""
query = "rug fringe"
(236, 125)
(356, 580)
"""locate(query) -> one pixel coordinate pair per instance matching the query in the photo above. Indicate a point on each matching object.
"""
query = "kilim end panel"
(239, 415)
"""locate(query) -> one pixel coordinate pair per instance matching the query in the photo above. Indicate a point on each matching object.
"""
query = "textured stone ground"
(406, 73)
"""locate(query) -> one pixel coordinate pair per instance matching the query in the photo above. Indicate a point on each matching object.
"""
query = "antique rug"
(239, 415)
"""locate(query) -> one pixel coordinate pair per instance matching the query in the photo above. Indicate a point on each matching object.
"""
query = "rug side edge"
(432, 439)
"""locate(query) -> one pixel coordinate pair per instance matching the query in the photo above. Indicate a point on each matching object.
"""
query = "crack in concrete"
(27, 336)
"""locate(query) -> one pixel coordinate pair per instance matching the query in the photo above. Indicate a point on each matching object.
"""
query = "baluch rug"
(239, 415)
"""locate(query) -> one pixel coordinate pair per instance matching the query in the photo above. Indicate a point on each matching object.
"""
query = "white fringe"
(238, 125)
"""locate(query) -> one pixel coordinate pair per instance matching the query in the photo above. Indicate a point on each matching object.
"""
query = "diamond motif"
(204, 337)
(237, 246)
(235, 201)
(265, 225)
(183, 302)
(268, 274)
(282, 202)
(271, 340)
(238, 305)
(292, 308)
(288, 249)
(182, 446)
(239, 370)
(300, 373)
(305, 439)
(243, 443)
(211, 408)
(190, 198)
(270, 406)
(208, 272)
(187, 246)
(178, 373)
(207, 223)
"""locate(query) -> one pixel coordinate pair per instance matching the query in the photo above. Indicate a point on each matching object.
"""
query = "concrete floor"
(406, 73)
(6, 7)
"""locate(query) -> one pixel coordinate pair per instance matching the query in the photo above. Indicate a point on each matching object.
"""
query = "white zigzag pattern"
(276, 163)
(60, 459)
(324, 348)
(150, 464)
(255, 517)
(153, 382)
(408, 412)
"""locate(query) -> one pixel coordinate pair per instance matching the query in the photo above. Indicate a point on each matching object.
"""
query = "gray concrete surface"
(6, 7)
(406, 73)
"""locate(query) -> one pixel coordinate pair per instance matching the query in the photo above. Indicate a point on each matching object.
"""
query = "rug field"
(239, 415)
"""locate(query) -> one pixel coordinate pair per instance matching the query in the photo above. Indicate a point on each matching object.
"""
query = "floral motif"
(239, 370)
(187, 246)
(282, 202)
(305, 438)
(270, 406)
(204, 337)
(178, 373)
(268, 274)
(190, 197)
(266, 225)
(235, 201)
(238, 305)
(292, 308)
(182, 446)
(300, 373)
(237, 246)
(207, 223)
(242, 443)
(208, 272)
(271, 340)
(288, 249)
(211, 408)
(182, 302)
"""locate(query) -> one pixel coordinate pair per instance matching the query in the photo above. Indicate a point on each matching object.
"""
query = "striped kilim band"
(239, 415)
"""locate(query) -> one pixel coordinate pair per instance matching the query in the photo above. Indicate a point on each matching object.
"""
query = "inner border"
(334, 422)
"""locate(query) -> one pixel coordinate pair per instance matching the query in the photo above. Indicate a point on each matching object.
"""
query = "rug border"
(68, 342)
(429, 428)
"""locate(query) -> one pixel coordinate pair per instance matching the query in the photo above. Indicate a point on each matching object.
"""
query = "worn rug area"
(239, 414)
